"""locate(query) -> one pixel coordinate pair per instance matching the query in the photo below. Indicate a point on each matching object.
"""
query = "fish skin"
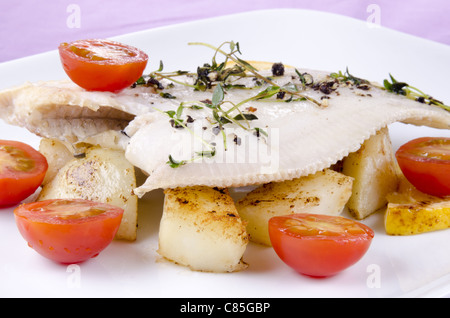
(63, 110)
(303, 138)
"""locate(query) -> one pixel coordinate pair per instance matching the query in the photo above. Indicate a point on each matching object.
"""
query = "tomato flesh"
(22, 170)
(102, 65)
(319, 245)
(425, 163)
(68, 231)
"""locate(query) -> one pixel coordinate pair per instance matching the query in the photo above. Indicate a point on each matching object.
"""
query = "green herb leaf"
(290, 88)
(161, 66)
(347, 77)
(260, 131)
(218, 95)
(207, 153)
(167, 95)
(174, 163)
(268, 92)
(247, 65)
(171, 113)
(141, 81)
(387, 85)
(245, 117)
(302, 78)
(180, 110)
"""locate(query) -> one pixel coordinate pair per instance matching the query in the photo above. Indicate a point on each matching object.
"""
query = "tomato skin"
(17, 184)
(67, 241)
(425, 163)
(319, 254)
(112, 73)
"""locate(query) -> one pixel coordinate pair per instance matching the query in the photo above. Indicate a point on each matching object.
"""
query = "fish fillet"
(63, 110)
(276, 138)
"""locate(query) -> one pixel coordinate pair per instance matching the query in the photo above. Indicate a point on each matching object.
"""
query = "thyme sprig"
(393, 86)
(268, 93)
(178, 122)
(220, 117)
(212, 74)
(347, 77)
(198, 155)
(411, 92)
(244, 65)
(223, 116)
(153, 78)
(220, 76)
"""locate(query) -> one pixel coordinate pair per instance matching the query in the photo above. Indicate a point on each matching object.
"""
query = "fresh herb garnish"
(411, 92)
(177, 122)
(167, 95)
(258, 132)
(245, 116)
(198, 155)
(245, 66)
(393, 86)
(305, 78)
(174, 163)
(347, 77)
(212, 74)
(153, 79)
(222, 77)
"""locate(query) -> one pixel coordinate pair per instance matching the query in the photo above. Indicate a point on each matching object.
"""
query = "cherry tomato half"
(319, 245)
(102, 65)
(68, 230)
(425, 162)
(22, 170)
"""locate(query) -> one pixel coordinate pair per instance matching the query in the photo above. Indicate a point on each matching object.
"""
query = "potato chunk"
(57, 155)
(373, 168)
(410, 211)
(325, 192)
(201, 229)
(102, 175)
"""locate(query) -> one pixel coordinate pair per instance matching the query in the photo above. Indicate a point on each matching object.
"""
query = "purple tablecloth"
(29, 26)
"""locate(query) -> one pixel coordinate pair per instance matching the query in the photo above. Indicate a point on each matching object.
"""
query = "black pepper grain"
(155, 83)
(420, 99)
(237, 140)
(172, 123)
(281, 95)
(277, 69)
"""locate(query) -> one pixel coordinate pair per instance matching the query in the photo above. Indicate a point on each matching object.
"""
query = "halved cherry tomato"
(68, 230)
(102, 65)
(319, 245)
(22, 170)
(425, 162)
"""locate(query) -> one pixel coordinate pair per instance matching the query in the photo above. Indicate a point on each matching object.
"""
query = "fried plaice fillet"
(180, 136)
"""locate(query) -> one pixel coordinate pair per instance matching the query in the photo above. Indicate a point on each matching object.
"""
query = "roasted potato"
(57, 154)
(100, 174)
(325, 192)
(373, 168)
(201, 229)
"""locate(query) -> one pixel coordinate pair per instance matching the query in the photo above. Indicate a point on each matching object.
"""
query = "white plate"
(416, 266)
